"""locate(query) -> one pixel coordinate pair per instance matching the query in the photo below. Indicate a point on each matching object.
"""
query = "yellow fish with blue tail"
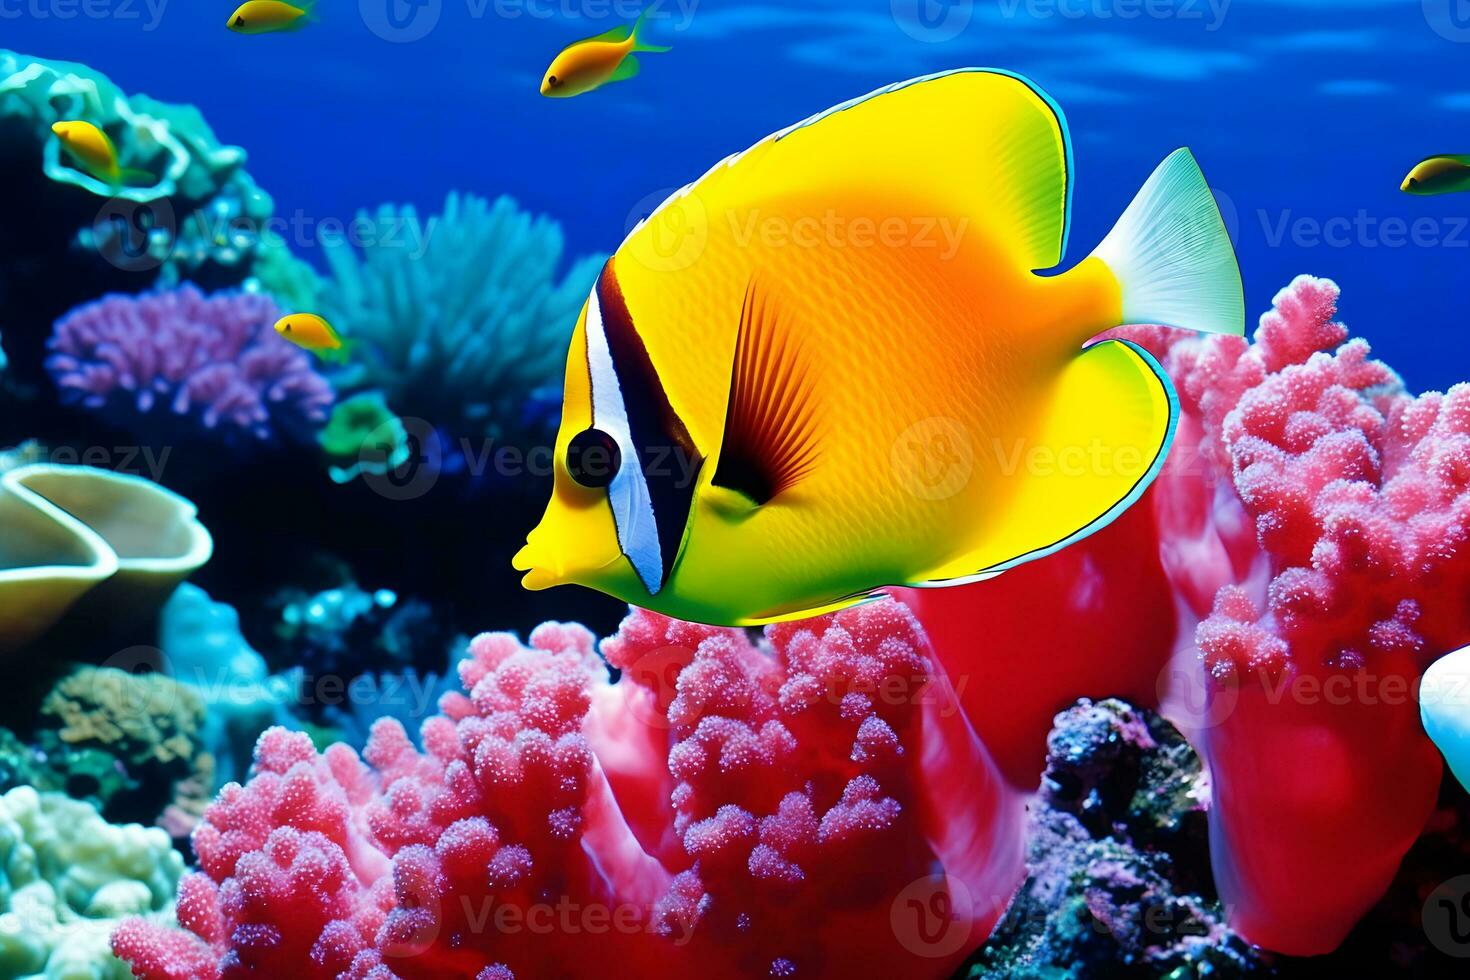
(269, 17)
(96, 154)
(593, 62)
(831, 365)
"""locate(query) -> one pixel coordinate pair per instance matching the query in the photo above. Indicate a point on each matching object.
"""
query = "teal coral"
(459, 319)
(205, 216)
(67, 877)
(204, 650)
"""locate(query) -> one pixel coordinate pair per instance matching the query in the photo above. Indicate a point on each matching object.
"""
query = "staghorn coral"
(459, 318)
(67, 877)
(673, 820)
(180, 363)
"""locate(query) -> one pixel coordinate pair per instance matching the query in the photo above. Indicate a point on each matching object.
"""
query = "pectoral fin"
(770, 436)
(1099, 445)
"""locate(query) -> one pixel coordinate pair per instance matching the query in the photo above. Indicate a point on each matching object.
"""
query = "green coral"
(201, 217)
(85, 774)
(150, 724)
(293, 284)
(363, 436)
(66, 879)
(459, 319)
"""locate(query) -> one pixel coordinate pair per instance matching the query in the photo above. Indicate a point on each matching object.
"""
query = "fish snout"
(540, 574)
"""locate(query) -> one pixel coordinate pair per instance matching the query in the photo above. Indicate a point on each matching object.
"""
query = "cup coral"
(460, 318)
(67, 877)
(681, 816)
(69, 532)
(181, 364)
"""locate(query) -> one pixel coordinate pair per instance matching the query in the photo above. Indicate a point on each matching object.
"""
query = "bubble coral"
(677, 819)
(67, 877)
(181, 364)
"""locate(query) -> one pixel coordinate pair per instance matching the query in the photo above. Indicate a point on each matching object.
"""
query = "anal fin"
(770, 437)
(1099, 446)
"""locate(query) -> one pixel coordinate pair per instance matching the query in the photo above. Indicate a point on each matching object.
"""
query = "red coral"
(1327, 579)
(684, 815)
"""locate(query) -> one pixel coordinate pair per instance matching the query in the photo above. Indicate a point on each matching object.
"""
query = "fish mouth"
(542, 573)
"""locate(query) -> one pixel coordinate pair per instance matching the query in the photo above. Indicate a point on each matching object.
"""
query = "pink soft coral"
(685, 815)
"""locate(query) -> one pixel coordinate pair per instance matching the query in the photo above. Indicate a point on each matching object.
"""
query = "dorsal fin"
(770, 438)
(976, 144)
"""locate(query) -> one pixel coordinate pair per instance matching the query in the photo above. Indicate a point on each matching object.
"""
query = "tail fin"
(637, 25)
(1172, 255)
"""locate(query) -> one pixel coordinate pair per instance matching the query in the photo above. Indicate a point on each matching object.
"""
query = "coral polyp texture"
(1278, 593)
(1301, 559)
(680, 818)
(178, 363)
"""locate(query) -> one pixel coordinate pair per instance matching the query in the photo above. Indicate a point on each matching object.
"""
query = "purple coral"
(179, 362)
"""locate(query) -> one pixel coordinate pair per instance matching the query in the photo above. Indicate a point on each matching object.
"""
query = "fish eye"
(552, 81)
(593, 458)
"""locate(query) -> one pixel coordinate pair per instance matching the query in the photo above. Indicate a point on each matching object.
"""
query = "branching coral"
(460, 317)
(182, 363)
(683, 815)
(67, 877)
(1301, 560)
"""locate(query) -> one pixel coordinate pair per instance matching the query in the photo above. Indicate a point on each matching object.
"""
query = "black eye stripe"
(666, 453)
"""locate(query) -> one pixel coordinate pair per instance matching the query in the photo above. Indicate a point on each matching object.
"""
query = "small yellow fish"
(830, 365)
(269, 17)
(94, 151)
(1443, 174)
(595, 61)
(310, 332)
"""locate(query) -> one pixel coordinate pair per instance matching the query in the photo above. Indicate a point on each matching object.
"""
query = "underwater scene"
(734, 488)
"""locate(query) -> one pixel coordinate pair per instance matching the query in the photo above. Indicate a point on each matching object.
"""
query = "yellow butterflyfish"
(311, 332)
(268, 17)
(93, 149)
(595, 61)
(831, 366)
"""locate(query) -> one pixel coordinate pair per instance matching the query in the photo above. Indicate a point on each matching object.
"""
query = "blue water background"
(1305, 115)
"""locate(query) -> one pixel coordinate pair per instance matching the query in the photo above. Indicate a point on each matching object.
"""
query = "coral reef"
(363, 436)
(459, 318)
(347, 631)
(680, 816)
(1299, 559)
(150, 724)
(203, 648)
(179, 364)
(1115, 886)
(201, 219)
(115, 544)
(67, 877)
